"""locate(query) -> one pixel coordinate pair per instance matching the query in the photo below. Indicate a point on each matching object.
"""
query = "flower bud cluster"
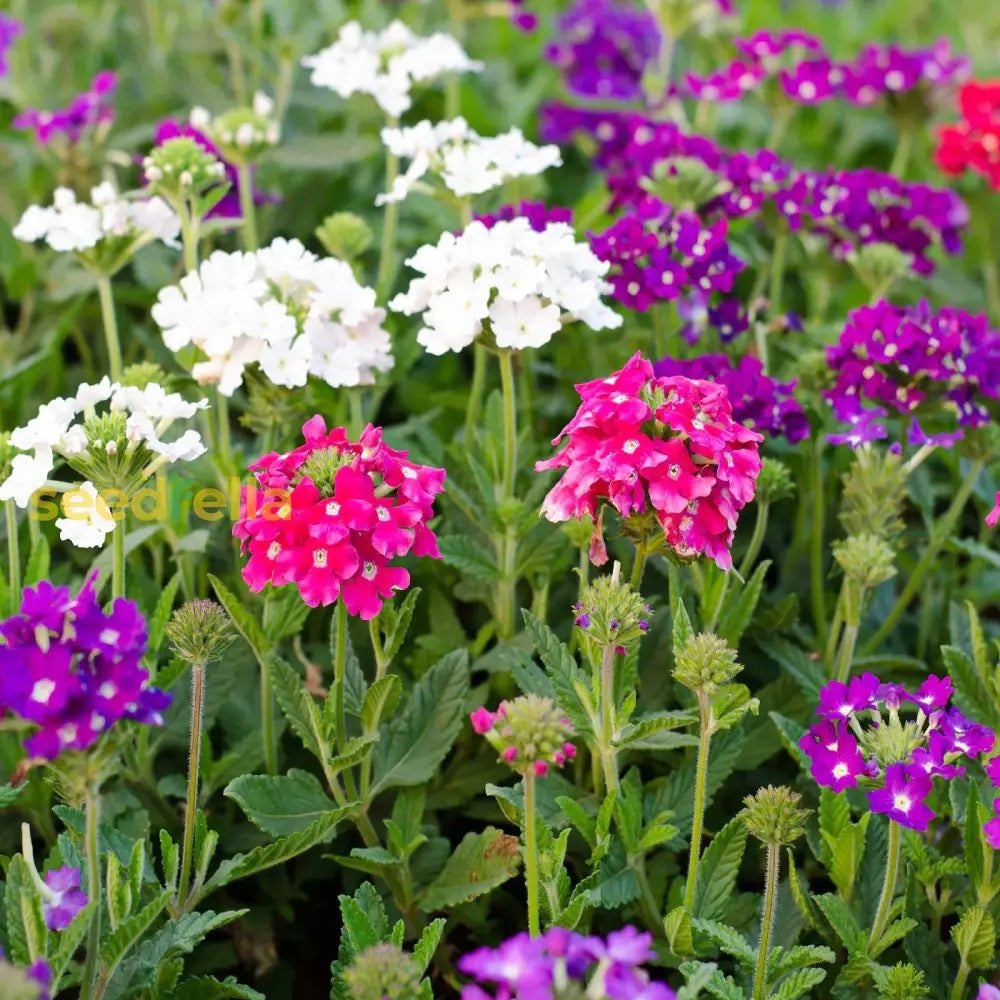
(530, 733)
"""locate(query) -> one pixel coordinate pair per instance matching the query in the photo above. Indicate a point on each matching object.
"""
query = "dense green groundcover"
(352, 784)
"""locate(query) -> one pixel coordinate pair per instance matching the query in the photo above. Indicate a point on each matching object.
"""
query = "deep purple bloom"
(85, 112)
(10, 31)
(935, 692)
(931, 760)
(902, 798)
(73, 669)
(582, 620)
(66, 899)
(964, 736)
(538, 214)
(992, 768)
(866, 426)
(840, 701)
(835, 758)
(992, 830)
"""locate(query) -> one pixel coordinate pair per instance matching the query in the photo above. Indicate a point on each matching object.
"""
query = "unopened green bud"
(813, 371)
(705, 662)
(181, 169)
(242, 134)
(530, 733)
(383, 972)
(611, 613)
(200, 632)
(773, 817)
(344, 235)
(142, 373)
(900, 982)
(880, 266)
(774, 482)
(684, 182)
(874, 494)
(866, 559)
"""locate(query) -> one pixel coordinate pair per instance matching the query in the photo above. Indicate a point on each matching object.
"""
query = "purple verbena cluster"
(538, 214)
(85, 112)
(758, 401)
(527, 968)
(896, 758)
(10, 31)
(73, 669)
(38, 973)
(63, 898)
(903, 359)
(657, 255)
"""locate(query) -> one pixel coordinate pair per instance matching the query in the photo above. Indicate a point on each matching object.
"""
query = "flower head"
(665, 445)
(63, 899)
(530, 733)
(383, 970)
(73, 670)
(86, 115)
(332, 515)
(974, 143)
(773, 817)
(200, 632)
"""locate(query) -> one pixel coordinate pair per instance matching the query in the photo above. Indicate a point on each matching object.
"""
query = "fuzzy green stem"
(476, 390)
(267, 718)
(939, 535)
(194, 763)
(958, 989)
(845, 655)
(248, 211)
(531, 854)
(608, 756)
(901, 157)
(816, 555)
(700, 791)
(756, 539)
(92, 850)
(767, 919)
(110, 327)
(385, 260)
(635, 580)
(508, 582)
(340, 707)
(888, 886)
(13, 555)
(356, 411)
(118, 566)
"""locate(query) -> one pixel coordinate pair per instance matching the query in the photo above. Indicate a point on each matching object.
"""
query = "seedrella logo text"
(166, 501)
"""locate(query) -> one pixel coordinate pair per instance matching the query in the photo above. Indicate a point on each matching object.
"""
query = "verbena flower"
(994, 515)
(69, 224)
(544, 967)
(282, 308)
(386, 64)
(86, 113)
(910, 360)
(538, 214)
(74, 670)
(10, 31)
(118, 448)
(466, 162)
(668, 445)
(896, 758)
(519, 284)
(333, 515)
(974, 143)
(529, 733)
(758, 401)
(63, 899)
(241, 134)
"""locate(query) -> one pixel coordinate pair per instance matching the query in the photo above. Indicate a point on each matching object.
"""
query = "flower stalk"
(194, 764)
(700, 787)
(888, 886)
(110, 327)
(767, 920)
(507, 587)
(92, 852)
(531, 854)
(13, 555)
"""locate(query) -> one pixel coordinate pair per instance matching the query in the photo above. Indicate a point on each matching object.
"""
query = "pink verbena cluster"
(897, 757)
(669, 445)
(529, 733)
(332, 515)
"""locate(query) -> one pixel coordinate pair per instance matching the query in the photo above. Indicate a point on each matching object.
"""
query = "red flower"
(975, 142)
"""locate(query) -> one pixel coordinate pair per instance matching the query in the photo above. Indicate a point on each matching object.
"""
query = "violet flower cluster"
(759, 402)
(910, 359)
(87, 111)
(897, 758)
(74, 670)
(538, 214)
(63, 899)
(527, 968)
(10, 31)
(658, 255)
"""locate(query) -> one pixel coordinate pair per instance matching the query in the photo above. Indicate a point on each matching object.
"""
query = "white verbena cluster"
(386, 64)
(524, 284)
(283, 308)
(69, 224)
(466, 162)
(118, 453)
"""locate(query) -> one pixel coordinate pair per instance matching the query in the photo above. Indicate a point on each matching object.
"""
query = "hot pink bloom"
(994, 515)
(668, 444)
(331, 515)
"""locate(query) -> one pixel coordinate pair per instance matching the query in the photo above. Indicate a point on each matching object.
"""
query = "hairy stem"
(194, 763)
(110, 327)
(91, 846)
(888, 886)
(267, 718)
(340, 708)
(118, 566)
(531, 854)
(767, 919)
(476, 391)
(700, 791)
(248, 211)
(756, 539)
(13, 555)
(608, 755)
(507, 587)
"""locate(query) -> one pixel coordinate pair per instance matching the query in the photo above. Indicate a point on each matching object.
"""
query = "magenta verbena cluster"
(73, 669)
(533, 968)
(866, 735)
(910, 361)
(758, 401)
(10, 31)
(658, 255)
(538, 214)
(85, 112)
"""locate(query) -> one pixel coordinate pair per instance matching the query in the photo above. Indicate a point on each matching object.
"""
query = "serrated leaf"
(834, 817)
(737, 614)
(279, 805)
(480, 863)
(975, 858)
(730, 940)
(210, 988)
(678, 930)
(717, 870)
(781, 961)
(561, 669)
(356, 750)
(245, 622)
(415, 742)
(656, 732)
(971, 693)
(380, 700)
(790, 733)
(37, 567)
(132, 930)
(724, 987)
(697, 975)
(467, 555)
(430, 938)
(160, 616)
(807, 672)
(299, 708)
(975, 937)
(840, 918)
(403, 615)
(798, 984)
(9, 794)
(896, 931)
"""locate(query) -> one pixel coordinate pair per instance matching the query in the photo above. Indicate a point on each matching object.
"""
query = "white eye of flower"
(272, 550)
(674, 471)
(369, 571)
(108, 690)
(902, 802)
(42, 691)
(332, 509)
(382, 513)
(109, 636)
(319, 558)
(630, 446)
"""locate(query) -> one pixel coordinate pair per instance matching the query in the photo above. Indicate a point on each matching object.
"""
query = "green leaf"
(415, 743)
(834, 817)
(790, 733)
(682, 630)
(38, 563)
(26, 931)
(356, 750)
(975, 858)
(160, 616)
(269, 855)
(561, 668)
(395, 632)
(807, 672)
(697, 976)
(896, 931)
(655, 732)
(480, 863)
(718, 869)
(380, 700)
(971, 693)
(730, 940)
(781, 961)
(280, 805)
(799, 983)
(467, 555)
(737, 615)
(841, 919)
(724, 987)
(677, 927)
(299, 707)
(322, 152)
(210, 988)
(430, 938)
(9, 794)
(244, 621)
(131, 931)
(133, 541)
(975, 938)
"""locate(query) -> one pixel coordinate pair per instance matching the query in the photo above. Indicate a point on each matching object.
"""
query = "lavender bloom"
(85, 112)
(73, 669)
(65, 899)
(10, 31)
(758, 401)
